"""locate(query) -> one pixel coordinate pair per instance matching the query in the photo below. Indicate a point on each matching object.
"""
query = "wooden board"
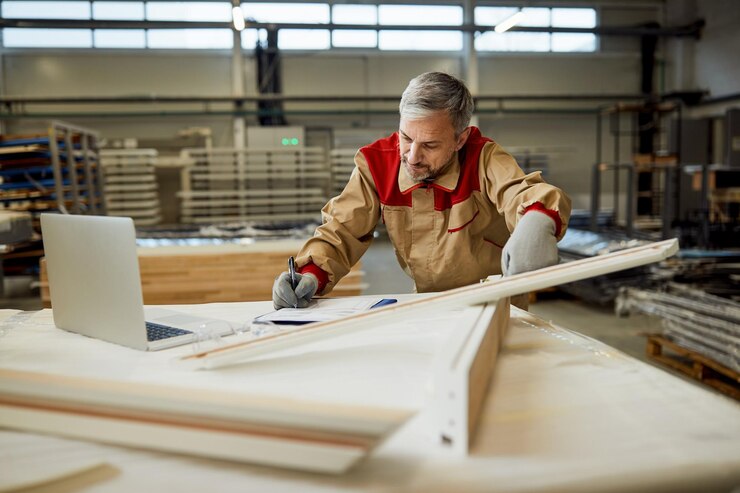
(463, 372)
(247, 428)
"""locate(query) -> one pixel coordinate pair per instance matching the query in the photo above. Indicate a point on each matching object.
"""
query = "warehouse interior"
(223, 127)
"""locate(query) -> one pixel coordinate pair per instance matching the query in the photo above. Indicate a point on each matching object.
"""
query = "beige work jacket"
(443, 239)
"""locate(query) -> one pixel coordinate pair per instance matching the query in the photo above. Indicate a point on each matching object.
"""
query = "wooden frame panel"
(249, 428)
(465, 296)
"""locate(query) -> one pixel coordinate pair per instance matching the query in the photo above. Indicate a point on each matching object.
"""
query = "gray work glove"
(283, 295)
(532, 245)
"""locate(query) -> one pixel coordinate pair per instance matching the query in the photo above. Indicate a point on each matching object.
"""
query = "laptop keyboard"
(157, 332)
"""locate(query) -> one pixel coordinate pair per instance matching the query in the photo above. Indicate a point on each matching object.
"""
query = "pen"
(291, 272)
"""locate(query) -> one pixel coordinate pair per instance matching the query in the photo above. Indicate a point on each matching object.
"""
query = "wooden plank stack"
(131, 184)
(183, 275)
(271, 184)
(342, 165)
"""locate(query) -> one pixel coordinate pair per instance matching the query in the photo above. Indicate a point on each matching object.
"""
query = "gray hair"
(436, 91)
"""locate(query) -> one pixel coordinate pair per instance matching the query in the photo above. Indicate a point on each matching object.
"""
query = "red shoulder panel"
(384, 160)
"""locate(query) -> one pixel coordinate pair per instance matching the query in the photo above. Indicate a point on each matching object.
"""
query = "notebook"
(95, 286)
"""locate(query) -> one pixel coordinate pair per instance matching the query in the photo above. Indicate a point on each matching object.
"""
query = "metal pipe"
(720, 99)
(71, 169)
(231, 113)
(299, 99)
(692, 30)
(57, 169)
(595, 195)
(631, 187)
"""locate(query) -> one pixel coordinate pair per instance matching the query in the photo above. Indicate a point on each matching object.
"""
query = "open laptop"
(95, 286)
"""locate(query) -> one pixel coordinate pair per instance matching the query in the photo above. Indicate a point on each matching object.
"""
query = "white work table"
(564, 413)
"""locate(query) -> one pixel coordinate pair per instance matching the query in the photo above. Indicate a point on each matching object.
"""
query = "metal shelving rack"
(82, 192)
(55, 171)
(59, 171)
(651, 174)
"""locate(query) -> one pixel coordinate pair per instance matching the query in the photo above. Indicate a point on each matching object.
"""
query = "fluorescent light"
(238, 17)
(509, 22)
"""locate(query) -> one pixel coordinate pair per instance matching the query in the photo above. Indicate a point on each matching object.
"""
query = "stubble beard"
(425, 173)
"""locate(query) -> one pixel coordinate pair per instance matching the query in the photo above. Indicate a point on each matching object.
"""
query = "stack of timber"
(271, 184)
(217, 273)
(131, 184)
(697, 326)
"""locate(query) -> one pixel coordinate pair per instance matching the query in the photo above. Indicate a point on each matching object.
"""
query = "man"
(448, 197)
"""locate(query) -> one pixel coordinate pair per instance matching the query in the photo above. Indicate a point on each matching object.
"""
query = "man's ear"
(462, 139)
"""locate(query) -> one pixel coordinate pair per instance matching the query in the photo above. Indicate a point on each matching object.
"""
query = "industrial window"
(251, 36)
(119, 38)
(121, 11)
(298, 13)
(574, 41)
(357, 15)
(47, 38)
(303, 39)
(420, 40)
(354, 38)
(536, 17)
(420, 15)
(190, 38)
(354, 14)
(46, 10)
(188, 11)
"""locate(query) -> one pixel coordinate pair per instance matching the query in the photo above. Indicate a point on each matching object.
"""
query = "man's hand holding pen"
(293, 290)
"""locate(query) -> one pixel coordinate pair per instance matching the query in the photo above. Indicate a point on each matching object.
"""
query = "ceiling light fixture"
(237, 17)
(509, 22)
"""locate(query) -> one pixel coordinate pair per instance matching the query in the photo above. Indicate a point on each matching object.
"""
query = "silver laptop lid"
(94, 278)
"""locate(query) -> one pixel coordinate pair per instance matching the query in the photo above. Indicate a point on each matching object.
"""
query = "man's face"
(428, 145)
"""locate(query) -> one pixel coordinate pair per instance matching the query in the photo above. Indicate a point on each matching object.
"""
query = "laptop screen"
(94, 281)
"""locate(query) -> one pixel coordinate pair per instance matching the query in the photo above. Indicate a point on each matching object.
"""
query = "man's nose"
(414, 155)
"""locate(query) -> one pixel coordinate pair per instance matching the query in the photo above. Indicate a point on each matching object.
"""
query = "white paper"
(320, 310)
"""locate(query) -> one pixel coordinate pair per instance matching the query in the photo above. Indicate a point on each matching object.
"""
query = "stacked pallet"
(131, 184)
(275, 184)
(217, 273)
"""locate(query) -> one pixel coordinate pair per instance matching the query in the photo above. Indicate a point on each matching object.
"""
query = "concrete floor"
(384, 276)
